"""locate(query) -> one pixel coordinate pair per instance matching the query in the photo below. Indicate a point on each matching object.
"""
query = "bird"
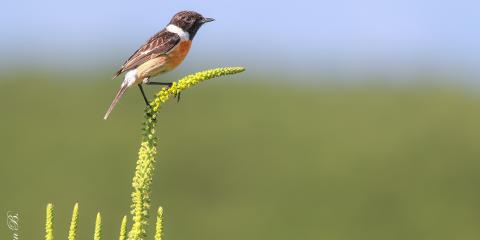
(163, 52)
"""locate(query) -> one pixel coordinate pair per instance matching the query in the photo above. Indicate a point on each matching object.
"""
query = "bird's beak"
(206, 20)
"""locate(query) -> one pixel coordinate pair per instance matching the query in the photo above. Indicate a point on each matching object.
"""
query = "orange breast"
(176, 56)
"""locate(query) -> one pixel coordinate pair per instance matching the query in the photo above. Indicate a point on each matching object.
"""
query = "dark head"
(189, 21)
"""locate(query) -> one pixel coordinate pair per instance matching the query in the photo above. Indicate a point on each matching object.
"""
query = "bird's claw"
(177, 95)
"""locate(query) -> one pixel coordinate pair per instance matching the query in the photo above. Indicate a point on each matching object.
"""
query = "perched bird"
(163, 52)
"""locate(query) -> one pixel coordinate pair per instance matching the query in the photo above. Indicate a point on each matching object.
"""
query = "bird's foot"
(177, 95)
(150, 113)
(168, 84)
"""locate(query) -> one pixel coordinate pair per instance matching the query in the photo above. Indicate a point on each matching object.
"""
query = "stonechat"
(163, 52)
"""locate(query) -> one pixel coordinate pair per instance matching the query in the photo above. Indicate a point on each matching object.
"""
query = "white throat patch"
(174, 29)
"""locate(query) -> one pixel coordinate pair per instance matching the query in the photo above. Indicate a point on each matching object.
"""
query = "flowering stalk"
(159, 225)
(98, 228)
(123, 229)
(49, 223)
(142, 179)
(72, 233)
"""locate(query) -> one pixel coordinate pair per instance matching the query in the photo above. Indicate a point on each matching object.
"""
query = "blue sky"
(296, 35)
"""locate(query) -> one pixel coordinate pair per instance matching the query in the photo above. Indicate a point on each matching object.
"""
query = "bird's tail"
(119, 95)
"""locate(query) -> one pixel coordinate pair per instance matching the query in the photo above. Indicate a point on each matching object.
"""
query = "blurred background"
(354, 120)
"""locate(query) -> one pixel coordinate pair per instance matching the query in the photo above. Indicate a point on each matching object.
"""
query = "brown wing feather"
(159, 44)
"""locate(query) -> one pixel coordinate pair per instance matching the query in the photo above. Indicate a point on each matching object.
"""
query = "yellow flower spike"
(98, 228)
(49, 223)
(142, 179)
(159, 225)
(123, 229)
(72, 233)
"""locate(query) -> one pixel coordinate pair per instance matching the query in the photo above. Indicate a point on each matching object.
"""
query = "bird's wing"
(160, 44)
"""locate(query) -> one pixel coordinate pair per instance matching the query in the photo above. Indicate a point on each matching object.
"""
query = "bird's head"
(189, 21)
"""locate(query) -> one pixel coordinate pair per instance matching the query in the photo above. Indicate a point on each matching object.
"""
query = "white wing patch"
(146, 52)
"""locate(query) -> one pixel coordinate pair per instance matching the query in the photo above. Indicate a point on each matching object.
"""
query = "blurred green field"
(240, 160)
